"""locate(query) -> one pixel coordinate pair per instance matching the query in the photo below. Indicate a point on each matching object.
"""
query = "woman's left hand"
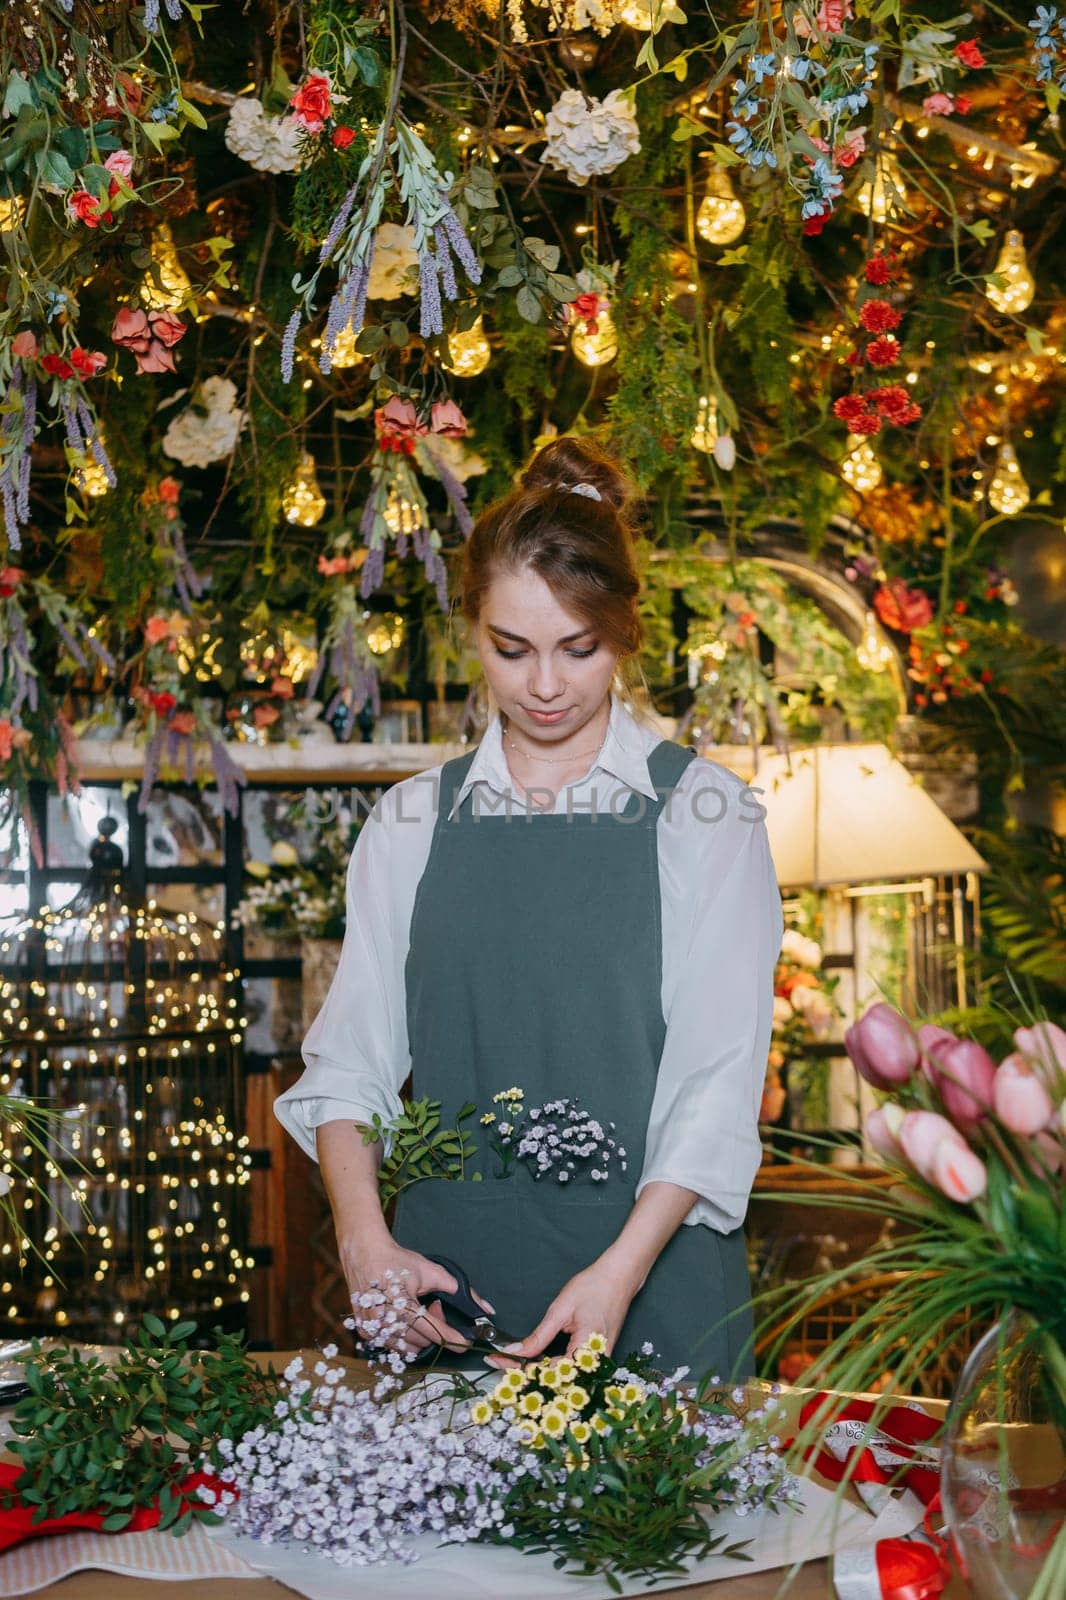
(594, 1301)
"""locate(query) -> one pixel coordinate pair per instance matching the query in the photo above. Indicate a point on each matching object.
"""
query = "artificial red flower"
(960, 607)
(87, 362)
(312, 104)
(10, 578)
(938, 105)
(587, 308)
(895, 404)
(968, 51)
(56, 367)
(813, 226)
(901, 608)
(397, 425)
(162, 702)
(24, 345)
(883, 352)
(853, 146)
(832, 15)
(963, 104)
(342, 138)
(881, 269)
(85, 207)
(183, 722)
(169, 490)
(877, 316)
(849, 407)
(156, 628)
(7, 738)
(447, 420)
(332, 566)
(282, 687)
(130, 329)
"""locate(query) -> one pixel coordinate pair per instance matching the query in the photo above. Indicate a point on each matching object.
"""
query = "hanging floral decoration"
(269, 144)
(589, 138)
(867, 410)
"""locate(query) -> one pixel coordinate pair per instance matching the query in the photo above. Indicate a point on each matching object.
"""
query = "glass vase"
(1003, 1463)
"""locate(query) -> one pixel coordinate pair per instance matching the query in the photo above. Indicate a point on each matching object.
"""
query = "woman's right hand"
(367, 1269)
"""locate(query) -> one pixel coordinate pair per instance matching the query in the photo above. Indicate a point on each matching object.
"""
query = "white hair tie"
(589, 490)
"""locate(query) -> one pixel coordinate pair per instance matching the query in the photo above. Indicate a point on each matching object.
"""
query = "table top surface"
(812, 1582)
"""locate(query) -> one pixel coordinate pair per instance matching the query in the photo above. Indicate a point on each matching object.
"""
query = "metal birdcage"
(125, 1019)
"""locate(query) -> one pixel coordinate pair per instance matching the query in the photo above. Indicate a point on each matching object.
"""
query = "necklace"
(555, 761)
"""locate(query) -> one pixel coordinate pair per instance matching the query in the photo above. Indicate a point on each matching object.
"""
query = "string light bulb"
(705, 434)
(861, 468)
(873, 652)
(469, 352)
(344, 352)
(401, 514)
(1008, 492)
(303, 501)
(595, 349)
(90, 476)
(886, 193)
(1014, 293)
(170, 288)
(721, 216)
(386, 634)
(648, 16)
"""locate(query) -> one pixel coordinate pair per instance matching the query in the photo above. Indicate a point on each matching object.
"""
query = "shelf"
(310, 760)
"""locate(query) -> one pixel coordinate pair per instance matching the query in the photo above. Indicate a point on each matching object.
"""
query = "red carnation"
(586, 308)
(311, 104)
(849, 407)
(87, 362)
(85, 207)
(162, 702)
(881, 269)
(814, 224)
(895, 404)
(963, 104)
(877, 316)
(901, 608)
(883, 352)
(968, 51)
(342, 138)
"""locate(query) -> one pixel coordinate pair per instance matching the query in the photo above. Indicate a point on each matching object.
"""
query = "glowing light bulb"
(886, 194)
(595, 349)
(1008, 492)
(1015, 293)
(401, 515)
(174, 287)
(721, 216)
(303, 501)
(470, 352)
(344, 352)
(648, 16)
(705, 434)
(861, 468)
(386, 634)
(873, 652)
(90, 476)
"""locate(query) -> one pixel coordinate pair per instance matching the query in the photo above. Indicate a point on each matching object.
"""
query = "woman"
(577, 908)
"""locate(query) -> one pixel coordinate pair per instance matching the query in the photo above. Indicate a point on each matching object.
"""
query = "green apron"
(536, 961)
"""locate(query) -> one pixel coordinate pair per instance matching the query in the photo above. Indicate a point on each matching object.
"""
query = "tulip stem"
(1006, 1154)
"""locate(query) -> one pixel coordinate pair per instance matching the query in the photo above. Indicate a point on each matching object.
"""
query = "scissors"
(464, 1314)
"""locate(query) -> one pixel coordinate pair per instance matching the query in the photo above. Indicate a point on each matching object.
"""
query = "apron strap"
(666, 766)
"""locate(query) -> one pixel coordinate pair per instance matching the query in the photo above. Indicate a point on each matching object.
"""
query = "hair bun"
(568, 461)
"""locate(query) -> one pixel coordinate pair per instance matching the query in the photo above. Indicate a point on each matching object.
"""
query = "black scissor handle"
(463, 1310)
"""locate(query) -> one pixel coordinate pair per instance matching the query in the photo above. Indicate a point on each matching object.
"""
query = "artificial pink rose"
(880, 1135)
(920, 1135)
(120, 162)
(447, 420)
(959, 1173)
(962, 1071)
(398, 419)
(1021, 1101)
(130, 329)
(330, 566)
(938, 105)
(883, 1046)
(166, 327)
(1044, 1044)
(851, 148)
(24, 345)
(157, 358)
(156, 628)
(832, 15)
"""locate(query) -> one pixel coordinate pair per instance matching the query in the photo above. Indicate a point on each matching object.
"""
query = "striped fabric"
(139, 1555)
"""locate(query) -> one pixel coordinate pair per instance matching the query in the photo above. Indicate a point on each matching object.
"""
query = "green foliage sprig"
(418, 1147)
(93, 1436)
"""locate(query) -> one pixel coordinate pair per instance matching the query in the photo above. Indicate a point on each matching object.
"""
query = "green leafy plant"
(420, 1148)
(118, 1438)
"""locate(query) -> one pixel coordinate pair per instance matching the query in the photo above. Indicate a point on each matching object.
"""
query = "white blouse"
(721, 933)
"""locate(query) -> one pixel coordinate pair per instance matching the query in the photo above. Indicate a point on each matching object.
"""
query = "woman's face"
(541, 658)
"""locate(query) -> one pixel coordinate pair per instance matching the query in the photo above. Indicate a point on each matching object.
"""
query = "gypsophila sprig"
(114, 1438)
(558, 1138)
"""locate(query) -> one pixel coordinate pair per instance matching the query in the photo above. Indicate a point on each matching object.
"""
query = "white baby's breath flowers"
(808, 952)
(269, 144)
(589, 138)
(198, 437)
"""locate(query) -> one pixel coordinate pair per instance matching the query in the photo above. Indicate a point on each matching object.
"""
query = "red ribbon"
(16, 1515)
(907, 1569)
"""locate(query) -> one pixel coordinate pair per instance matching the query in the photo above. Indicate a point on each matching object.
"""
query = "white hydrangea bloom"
(269, 144)
(197, 440)
(589, 140)
(394, 268)
(808, 952)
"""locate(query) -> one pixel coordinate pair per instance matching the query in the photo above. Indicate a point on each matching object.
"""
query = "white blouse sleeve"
(703, 1131)
(356, 1052)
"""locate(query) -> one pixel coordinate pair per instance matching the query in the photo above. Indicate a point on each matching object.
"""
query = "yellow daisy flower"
(600, 1424)
(553, 1422)
(612, 1394)
(481, 1412)
(586, 1360)
(581, 1431)
(547, 1376)
(577, 1397)
(596, 1343)
(489, 1117)
(504, 1393)
(531, 1404)
(633, 1392)
(565, 1370)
